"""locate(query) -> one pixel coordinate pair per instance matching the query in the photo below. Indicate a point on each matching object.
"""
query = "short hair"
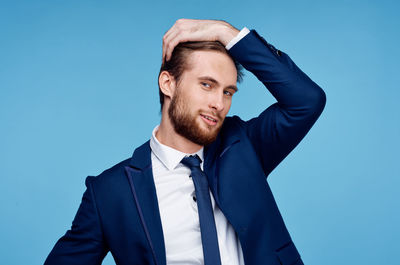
(178, 62)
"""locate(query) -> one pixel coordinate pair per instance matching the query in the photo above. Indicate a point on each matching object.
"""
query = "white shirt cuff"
(238, 37)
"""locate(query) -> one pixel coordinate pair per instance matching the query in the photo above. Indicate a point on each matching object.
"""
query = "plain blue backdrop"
(78, 92)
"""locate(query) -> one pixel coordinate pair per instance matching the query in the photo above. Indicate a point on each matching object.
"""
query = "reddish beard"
(186, 125)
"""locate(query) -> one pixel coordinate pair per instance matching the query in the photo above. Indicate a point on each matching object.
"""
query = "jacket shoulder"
(110, 175)
(233, 125)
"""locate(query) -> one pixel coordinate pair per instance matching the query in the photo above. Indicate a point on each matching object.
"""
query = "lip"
(209, 122)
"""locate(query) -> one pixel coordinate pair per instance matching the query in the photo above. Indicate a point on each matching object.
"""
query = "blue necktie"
(206, 215)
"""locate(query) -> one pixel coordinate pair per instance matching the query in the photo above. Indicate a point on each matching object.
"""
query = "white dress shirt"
(178, 211)
(178, 208)
(238, 37)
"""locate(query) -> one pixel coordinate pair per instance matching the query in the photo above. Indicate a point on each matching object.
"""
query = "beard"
(186, 125)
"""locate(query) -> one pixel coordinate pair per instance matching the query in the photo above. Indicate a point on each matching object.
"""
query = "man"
(196, 193)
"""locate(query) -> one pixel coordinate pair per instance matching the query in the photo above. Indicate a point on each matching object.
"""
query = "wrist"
(227, 33)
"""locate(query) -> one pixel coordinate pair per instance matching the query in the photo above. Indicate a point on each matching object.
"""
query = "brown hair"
(178, 61)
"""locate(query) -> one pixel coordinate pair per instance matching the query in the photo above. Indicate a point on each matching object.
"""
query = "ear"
(167, 84)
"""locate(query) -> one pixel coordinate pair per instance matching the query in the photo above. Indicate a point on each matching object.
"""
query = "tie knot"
(191, 161)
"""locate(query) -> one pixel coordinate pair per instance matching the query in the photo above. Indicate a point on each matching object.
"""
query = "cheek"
(228, 105)
(201, 100)
(187, 100)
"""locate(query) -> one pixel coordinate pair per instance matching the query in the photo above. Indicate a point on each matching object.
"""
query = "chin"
(209, 132)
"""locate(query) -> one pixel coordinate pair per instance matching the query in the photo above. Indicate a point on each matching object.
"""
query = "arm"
(83, 244)
(278, 129)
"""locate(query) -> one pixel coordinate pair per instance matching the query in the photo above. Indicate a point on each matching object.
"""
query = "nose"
(217, 102)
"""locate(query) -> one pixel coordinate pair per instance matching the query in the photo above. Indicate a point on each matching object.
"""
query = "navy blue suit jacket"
(119, 209)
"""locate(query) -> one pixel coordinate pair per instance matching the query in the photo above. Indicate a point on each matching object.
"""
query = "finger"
(167, 36)
(182, 31)
(171, 30)
(170, 49)
(170, 43)
(178, 29)
(178, 36)
(164, 45)
(167, 39)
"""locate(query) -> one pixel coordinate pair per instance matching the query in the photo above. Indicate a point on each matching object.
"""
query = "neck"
(167, 135)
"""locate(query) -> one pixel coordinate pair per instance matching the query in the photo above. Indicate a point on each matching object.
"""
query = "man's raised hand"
(196, 30)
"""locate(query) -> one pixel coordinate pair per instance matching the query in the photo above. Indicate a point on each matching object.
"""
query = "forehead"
(212, 63)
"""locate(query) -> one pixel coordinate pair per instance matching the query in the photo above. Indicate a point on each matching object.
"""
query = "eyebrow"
(212, 80)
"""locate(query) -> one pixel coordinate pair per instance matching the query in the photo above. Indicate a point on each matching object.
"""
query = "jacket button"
(278, 52)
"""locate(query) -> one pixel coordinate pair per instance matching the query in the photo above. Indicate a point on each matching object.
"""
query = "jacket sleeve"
(83, 243)
(300, 101)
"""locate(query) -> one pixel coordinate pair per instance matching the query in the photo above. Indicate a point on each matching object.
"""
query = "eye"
(206, 85)
(228, 93)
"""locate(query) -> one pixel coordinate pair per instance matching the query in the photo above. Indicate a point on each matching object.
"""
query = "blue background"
(78, 92)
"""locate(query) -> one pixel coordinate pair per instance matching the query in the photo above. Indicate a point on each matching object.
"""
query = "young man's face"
(204, 96)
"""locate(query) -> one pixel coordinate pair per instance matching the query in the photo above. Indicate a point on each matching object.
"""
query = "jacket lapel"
(140, 177)
(213, 152)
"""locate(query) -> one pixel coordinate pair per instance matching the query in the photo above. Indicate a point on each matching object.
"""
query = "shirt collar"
(169, 156)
